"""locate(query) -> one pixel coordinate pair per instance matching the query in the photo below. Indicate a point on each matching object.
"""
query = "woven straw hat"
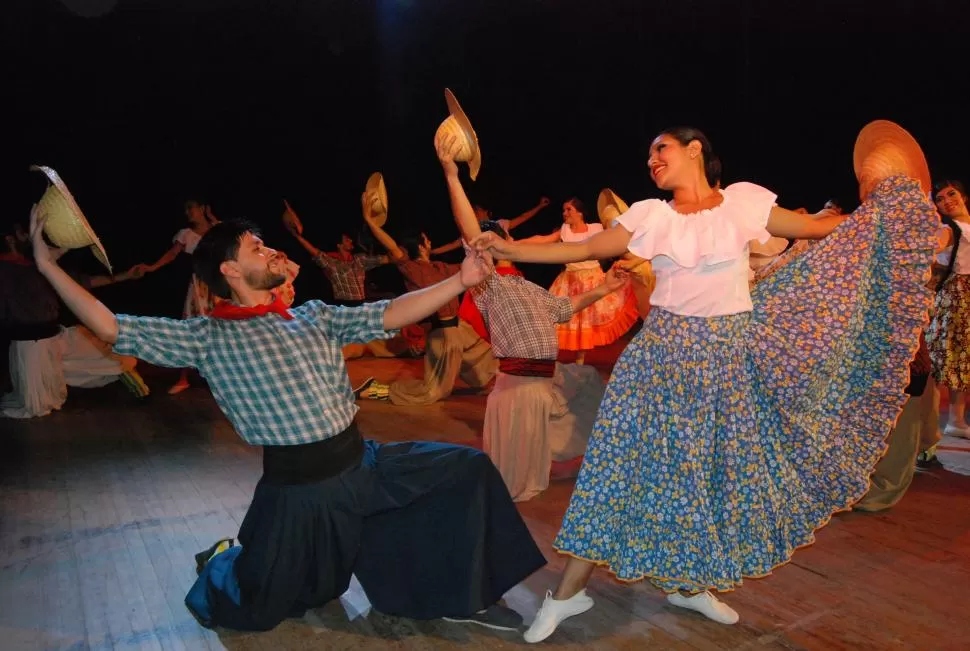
(458, 124)
(377, 195)
(66, 226)
(885, 149)
(609, 207)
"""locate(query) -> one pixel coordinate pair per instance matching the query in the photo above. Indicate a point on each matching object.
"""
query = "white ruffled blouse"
(566, 234)
(701, 259)
(188, 238)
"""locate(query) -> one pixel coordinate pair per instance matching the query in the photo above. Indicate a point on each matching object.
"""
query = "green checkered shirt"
(279, 382)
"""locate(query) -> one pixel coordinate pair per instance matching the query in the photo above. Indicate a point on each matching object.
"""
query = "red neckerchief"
(231, 311)
(349, 257)
(468, 311)
(15, 258)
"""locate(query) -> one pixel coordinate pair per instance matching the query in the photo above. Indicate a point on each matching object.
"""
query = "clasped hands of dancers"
(694, 477)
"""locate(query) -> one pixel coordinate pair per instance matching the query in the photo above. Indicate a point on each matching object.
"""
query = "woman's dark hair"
(491, 226)
(950, 183)
(686, 135)
(950, 223)
(578, 204)
(219, 244)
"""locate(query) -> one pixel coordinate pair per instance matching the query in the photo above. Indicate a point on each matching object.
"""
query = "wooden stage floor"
(103, 505)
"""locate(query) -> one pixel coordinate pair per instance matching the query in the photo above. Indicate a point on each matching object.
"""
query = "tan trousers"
(393, 347)
(916, 430)
(449, 353)
(532, 421)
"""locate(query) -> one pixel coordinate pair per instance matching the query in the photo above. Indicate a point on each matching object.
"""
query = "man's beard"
(265, 279)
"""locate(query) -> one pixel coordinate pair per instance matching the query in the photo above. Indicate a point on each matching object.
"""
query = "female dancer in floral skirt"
(734, 425)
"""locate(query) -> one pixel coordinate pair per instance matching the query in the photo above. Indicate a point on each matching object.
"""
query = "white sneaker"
(706, 604)
(554, 611)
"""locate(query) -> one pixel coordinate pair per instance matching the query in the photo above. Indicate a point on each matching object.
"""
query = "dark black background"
(242, 103)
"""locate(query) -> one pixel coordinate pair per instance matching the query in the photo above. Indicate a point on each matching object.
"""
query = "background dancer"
(948, 336)
(539, 411)
(198, 301)
(483, 215)
(604, 321)
(345, 269)
(44, 357)
(452, 348)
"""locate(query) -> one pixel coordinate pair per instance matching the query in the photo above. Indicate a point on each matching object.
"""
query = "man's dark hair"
(219, 244)
(411, 245)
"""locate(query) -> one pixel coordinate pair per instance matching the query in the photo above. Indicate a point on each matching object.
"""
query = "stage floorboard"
(104, 504)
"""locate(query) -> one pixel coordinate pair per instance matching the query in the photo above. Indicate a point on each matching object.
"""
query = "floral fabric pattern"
(948, 336)
(601, 323)
(723, 443)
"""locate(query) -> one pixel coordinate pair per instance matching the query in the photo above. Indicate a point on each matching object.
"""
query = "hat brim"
(606, 199)
(475, 163)
(76, 232)
(883, 149)
(375, 183)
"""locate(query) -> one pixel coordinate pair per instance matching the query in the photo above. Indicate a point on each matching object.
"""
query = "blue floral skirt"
(723, 443)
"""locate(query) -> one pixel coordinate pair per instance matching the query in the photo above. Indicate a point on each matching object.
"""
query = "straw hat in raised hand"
(66, 226)
(377, 198)
(457, 124)
(885, 149)
(609, 207)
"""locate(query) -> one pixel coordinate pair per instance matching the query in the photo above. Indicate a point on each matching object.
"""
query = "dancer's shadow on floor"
(329, 628)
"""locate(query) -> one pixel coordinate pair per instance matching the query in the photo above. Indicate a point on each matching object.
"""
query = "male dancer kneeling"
(429, 529)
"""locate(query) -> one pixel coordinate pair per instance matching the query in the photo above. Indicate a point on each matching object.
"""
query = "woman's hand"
(494, 244)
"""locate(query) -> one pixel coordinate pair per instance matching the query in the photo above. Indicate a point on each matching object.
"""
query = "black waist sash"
(311, 462)
(437, 322)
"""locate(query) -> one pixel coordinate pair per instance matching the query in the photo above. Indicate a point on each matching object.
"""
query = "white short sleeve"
(188, 238)
(754, 204)
(637, 214)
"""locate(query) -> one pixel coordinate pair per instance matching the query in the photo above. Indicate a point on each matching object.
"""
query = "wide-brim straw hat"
(66, 227)
(609, 207)
(377, 194)
(457, 124)
(885, 149)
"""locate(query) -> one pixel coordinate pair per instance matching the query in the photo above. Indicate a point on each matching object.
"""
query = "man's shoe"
(207, 555)
(363, 386)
